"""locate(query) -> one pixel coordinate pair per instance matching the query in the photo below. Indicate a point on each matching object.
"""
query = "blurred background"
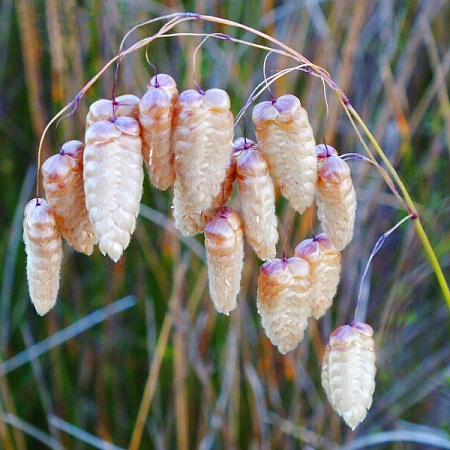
(143, 333)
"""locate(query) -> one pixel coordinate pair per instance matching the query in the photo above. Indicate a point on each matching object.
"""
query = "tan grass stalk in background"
(348, 371)
(286, 139)
(44, 254)
(284, 292)
(202, 143)
(257, 196)
(325, 262)
(63, 183)
(335, 196)
(225, 254)
(155, 115)
(125, 105)
(113, 177)
(188, 218)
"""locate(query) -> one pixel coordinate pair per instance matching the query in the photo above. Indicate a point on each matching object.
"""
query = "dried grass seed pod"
(225, 257)
(348, 371)
(63, 183)
(286, 140)
(113, 177)
(126, 105)
(44, 254)
(202, 142)
(155, 115)
(335, 196)
(188, 218)
(325, 263)
(284, 291)
(257, 198)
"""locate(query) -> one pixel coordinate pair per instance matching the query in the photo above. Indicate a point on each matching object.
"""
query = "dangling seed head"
(44, 254)
(348, 371)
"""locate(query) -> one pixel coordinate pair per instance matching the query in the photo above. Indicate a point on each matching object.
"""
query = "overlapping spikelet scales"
(63, 183)
(188, 218)
(155, 115)
(125, 106)
(44, 254)
(335, 196)
(225, 254)
(348, 371)
(286, 140)
(284, 291)
(257, 196)
(113, 177)
(202, 142)
(325, 263)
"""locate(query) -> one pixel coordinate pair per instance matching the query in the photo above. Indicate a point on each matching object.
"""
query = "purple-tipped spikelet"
(225, 255)
(63, 183)
(44, 254)
(257, 196)
(348, 371)
(155, 115)
(335, 196)
(284, 292)
(325, 262)
(286, 140)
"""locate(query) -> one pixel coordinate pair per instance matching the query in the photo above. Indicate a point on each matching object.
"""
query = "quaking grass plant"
(128, 128)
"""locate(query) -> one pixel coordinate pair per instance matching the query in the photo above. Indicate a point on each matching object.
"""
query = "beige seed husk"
(325, 262)
(335, 196)
(202, 142)
(348, 371)
(188, 218)
(113, 177)
(63, 183)
(225, 258)
(44, 254)
(284, 291)
(285, 138)
(257, 198)
(126, 106)
(155, 115)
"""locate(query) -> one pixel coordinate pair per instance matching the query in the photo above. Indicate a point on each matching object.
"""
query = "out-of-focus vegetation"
(216, 381)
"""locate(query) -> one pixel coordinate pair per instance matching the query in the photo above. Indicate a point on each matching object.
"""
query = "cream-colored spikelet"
(202, 143)
(348, 371)
(225, 257)
(155, 115)
(257, 198)
(191, 220)
(286, 140)
(125, 106)
(113, 177)
(284, 291)
(335, 196)
(325, 262)
(44, 254)
(63, 183)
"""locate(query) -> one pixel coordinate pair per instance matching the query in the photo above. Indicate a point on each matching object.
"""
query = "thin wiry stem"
(410, 207)
(310, 68)
(375, 250)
